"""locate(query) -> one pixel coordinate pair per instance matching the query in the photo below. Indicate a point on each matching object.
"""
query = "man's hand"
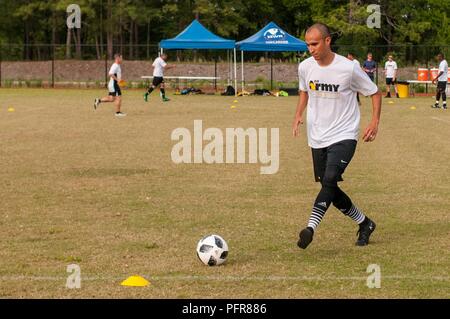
(297, 122)
(437, 77)
(301, 106)
(370, 132)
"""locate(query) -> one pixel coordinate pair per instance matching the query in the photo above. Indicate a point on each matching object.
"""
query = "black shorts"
(157, 80)
(441, 86)
(336, 156)
(116, 88)
(390, 81)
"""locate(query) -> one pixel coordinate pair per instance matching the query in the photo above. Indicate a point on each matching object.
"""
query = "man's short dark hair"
(350, 53)
(440, 54)
(323, 29)
(117, 55)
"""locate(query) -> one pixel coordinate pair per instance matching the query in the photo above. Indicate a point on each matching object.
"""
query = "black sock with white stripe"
(355, 214)
(345, 205)
(321, 205)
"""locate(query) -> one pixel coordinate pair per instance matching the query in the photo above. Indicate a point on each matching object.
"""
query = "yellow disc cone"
(412, 107)
(135, 281)
(391, 102)
(233, 106)
(235, 101)
(11, 109)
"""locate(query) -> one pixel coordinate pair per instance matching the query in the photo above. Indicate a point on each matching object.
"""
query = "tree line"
(133, 26)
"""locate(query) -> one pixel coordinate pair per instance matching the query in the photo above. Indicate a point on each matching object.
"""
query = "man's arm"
(112, 71)
(112, 74)
(169, 66)
(301, 106)
(437, 77)
(371, 131)
(373, 68)
(395, 72)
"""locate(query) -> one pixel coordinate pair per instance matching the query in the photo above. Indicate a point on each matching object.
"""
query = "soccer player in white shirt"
(159, 66)
(328, 86)
(390, 70)
(441, 79)
(115, 94)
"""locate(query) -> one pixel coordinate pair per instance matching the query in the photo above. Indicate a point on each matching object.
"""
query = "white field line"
(229, 278)
(441, 120)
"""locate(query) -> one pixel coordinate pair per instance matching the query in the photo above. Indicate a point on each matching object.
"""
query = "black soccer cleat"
(364, 232)
(306, 237)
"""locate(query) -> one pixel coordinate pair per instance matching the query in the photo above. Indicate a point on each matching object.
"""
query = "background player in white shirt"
(159, 66)
(390, 70)
(328, 86)
(115, 94)
(351, 57)
(441, 79)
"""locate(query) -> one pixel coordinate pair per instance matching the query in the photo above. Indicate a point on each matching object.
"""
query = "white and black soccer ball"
(212, 250)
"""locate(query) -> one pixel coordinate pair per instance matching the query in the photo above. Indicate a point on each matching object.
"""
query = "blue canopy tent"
(271, 38)
(196, 36)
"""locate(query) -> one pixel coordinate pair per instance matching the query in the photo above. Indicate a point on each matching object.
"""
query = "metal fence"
(88, 65)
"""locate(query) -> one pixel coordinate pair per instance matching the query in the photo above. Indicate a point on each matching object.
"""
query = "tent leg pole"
(215, 74)
(230, 71)
(271, 71)
(242, 71)
(235, 73)
(228, 64)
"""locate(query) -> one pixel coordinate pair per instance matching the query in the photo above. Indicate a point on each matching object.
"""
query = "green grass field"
(84, 187)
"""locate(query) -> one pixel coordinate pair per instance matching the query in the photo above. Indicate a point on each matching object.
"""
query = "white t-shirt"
(159, 65)
(443, 67)
(115, 70)
(390, 68)
(356, 62)
(333, 111)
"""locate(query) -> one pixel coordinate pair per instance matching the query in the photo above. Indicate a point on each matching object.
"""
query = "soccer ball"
(212, 250)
